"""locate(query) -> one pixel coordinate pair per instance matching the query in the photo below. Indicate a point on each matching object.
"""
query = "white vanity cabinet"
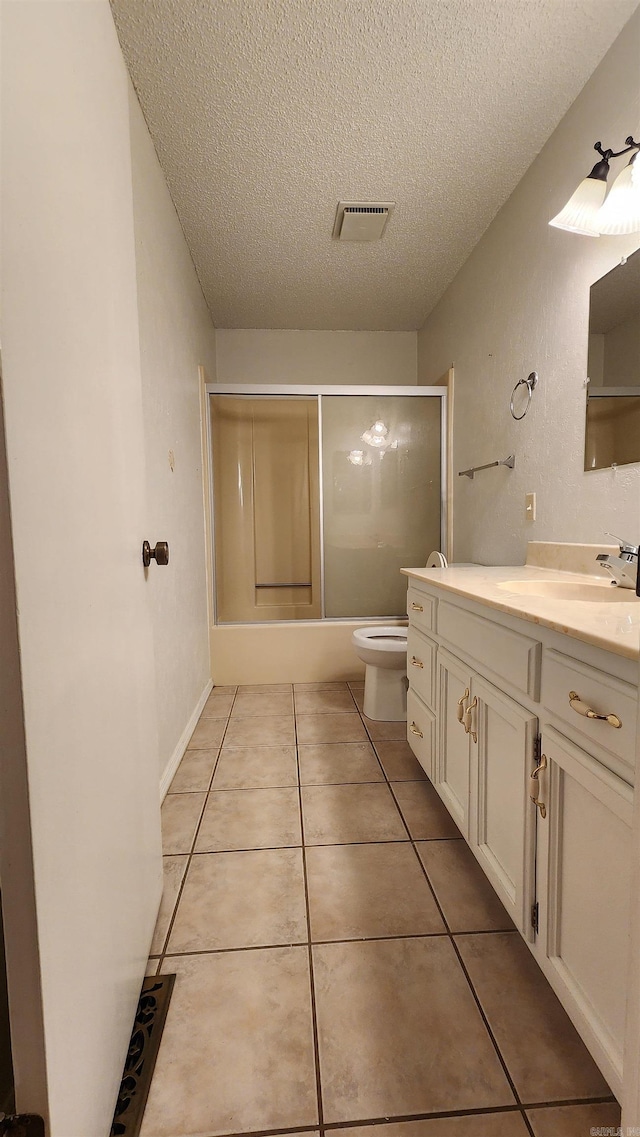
(489, 703)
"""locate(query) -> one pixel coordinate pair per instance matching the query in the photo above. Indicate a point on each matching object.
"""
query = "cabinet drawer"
(421, 609)
(604, 694)
(421, 665)
(507, 654)
(421, 732)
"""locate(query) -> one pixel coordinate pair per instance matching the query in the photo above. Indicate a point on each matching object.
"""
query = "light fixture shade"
(620, 213)
(582, 211)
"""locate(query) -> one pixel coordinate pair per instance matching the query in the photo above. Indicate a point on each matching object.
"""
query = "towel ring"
(530, 383)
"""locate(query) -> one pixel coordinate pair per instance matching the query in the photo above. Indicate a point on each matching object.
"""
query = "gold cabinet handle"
(576, 704)
(416, 662)
(416, 607)
(416, 730)
(466, 722)
(534, 786)
(461, 706)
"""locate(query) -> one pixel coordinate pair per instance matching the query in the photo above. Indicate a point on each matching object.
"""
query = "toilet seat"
(388, 640)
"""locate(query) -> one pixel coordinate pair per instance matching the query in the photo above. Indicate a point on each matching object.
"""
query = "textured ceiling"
(265, 113)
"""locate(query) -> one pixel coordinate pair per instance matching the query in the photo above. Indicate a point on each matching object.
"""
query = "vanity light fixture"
(376, 435)
(356, 457)
(587, 212)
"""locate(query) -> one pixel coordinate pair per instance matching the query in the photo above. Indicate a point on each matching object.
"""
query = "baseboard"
(178, 754)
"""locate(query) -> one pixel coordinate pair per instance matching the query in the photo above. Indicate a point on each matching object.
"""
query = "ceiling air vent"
(361, 220)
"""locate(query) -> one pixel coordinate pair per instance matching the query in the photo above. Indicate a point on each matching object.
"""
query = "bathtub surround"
(252, 355)
(521, 303)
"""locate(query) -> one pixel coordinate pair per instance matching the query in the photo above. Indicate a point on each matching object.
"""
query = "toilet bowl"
(384, 651)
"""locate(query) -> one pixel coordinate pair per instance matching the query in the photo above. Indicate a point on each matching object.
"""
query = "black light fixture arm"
(630, 144)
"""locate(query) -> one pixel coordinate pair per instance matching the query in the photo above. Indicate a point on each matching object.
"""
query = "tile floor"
(341, 961)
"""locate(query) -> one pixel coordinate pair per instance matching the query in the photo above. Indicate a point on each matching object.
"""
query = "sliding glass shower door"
(320, 498)
(266, 508)
(381, 498)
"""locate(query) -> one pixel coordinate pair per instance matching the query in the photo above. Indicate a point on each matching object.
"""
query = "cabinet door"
(584, 865)
(502, 817)
(452, 756)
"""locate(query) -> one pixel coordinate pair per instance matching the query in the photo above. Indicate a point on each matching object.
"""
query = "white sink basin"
(571, 590)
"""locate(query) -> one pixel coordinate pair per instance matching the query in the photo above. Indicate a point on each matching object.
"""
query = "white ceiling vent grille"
(361, 220)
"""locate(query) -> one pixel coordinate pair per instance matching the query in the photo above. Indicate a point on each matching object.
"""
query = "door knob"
(160, 554)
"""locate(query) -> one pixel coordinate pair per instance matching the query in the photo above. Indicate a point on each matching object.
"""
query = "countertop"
(614, 626)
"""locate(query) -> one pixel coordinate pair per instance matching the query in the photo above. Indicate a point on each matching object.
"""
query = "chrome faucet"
(623, 569)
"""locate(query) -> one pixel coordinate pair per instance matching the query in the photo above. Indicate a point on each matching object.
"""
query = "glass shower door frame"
(312, 390)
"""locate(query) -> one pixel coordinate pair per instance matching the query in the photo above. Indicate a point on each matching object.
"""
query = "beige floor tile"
(275, 730)
(194, 772)
(399, 762)
(356, 684)
(336, 815)
(235, 900)
(316, 729)
(399, 1031)
(337, 762)
(256, 767)
(237, 1049)
(218, 707)
(229, 689)
(423, 811)
(542, 1050)
(382, 731)
(250, 819)
(467, 899)
(152, 967)
(575, 1120)
(324, 702)
(358, 694)
(472, 1125)
(249, 705)
(174, 869)
(361, 891)
(180, 817)
(208, 734)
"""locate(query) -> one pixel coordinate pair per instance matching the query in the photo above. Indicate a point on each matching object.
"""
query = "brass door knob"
(159, 554)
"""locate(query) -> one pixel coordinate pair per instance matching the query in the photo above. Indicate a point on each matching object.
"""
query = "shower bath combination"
(320, 496)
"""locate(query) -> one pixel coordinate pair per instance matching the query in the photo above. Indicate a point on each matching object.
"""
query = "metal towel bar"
(510, 462)
(292, 584)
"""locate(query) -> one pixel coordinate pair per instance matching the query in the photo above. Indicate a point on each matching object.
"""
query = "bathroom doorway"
(320, 496)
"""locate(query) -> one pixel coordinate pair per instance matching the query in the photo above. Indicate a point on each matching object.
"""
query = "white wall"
(263, 356)
(176, 335)
(519, 304)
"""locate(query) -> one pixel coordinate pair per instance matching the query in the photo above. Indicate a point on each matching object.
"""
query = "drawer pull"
(467, 719)
(416, 607)
(534, 786)
(461, 706)
(415, 730)
(416, 662)
(584, 709)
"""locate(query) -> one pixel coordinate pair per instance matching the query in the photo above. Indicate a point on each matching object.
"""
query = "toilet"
(384, 651)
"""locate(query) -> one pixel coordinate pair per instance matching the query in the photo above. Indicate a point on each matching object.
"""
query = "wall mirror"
(612, 436)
